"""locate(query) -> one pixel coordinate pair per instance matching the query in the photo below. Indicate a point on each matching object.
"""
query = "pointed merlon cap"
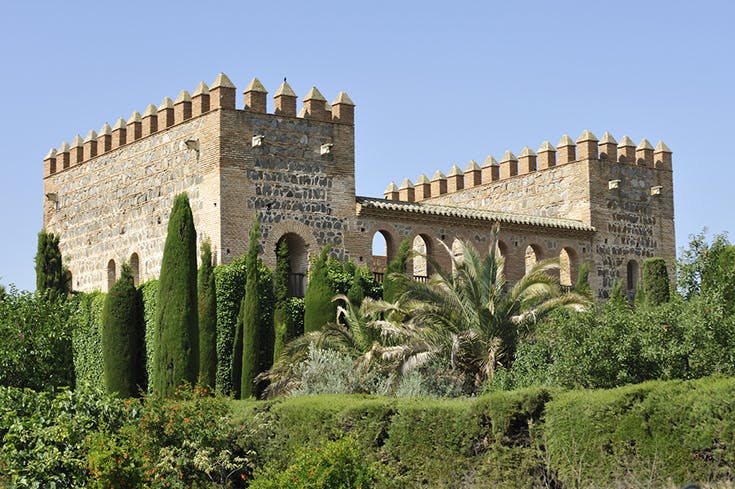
(527, 152)
(120, 124)
(438, 176)
(285, 90)
(201, 89)
(508, 156)
(222, 82)
(183, 97)
(314, 94)
(91, 136)
(472, 166)
(489, 161)
(644, 144)
(547, 147)
(64, 148)
(565, 141)
(167, 103)
(344, 99)
(255, 86)
(662, 148)
(50, 154)
(391, 188)
(607, 138)
(587, 136)
(406, 184)
(150, 111)
(422, 179)
(455, 171)
(134, 117)
(77, 141)
(105, 130)
(625, 141)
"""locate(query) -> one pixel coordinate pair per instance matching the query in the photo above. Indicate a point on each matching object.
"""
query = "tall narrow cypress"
(123, 337)
(207, 318)
(655, 281)
(319, 308)
(392, 286)
(51, 276)
(280, 287)
(253, 341)
(177, 334)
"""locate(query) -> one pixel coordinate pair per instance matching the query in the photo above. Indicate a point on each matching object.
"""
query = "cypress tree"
(583, 281)
(392, 288)
(255, 320)
(51, 276)
(207, 318)
(177, 334)
(318, 298)
(616, 294)
(655, 281)
(283, 333)
(123, 337)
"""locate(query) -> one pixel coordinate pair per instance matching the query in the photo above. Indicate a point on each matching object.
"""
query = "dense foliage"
(283, 330)
(392, 282)
(230, 285)
(655, 281)
(86, 324)
(52, 277)
(319, 308)
(207, 308)
(177, 354)
(36, 346)
(123, 338)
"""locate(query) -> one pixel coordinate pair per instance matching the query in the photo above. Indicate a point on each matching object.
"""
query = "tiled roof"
(469, 213)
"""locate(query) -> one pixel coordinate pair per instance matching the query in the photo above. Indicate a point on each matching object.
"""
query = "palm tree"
(476, 321)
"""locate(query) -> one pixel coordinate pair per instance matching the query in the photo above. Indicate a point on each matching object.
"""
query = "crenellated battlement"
(587, 147)
(221, 95)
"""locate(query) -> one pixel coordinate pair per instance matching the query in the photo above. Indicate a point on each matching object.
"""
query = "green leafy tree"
(255, 322)
(320, 309)
(392, 283)
(207, 307)
(655, 281)
(357, 290)
(123, 347)
(51, 276)
(177, 352)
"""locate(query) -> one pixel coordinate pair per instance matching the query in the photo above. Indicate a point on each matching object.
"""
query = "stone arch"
(382, 250)
(533, 255)
(282, 228)
(631, 273)
(457, 253)
(135, 268)
(298, 263)
(568, 266)
(111, 274)
(422, 248)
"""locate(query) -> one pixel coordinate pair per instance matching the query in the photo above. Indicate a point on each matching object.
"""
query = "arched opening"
(632, 276)
(567, 267)
(457, 253)
(135, 268)
(381, 253)
(533, 256)
(422, 250)
(111, 274)
(298, 263)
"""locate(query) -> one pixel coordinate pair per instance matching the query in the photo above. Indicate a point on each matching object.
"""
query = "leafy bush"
(149, 293)
(52, 278)
(398, 265)
(332, 465)
(87, 338)
(319, 308)
(230, 285)
(655, 281)
(36, 346)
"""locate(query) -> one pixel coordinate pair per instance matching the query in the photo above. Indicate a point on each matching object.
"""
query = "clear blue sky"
(435, 83)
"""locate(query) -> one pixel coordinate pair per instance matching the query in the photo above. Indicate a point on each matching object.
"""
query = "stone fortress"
(108, 196)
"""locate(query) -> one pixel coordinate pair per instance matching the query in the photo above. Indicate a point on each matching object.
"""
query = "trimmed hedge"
(230, 285)
(86, 338)
(149, 293)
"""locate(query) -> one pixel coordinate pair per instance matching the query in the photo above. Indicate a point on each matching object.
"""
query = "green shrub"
(332, 465)
(87, 338)
(642, 435)
(655, 281)
(123, 338)
(207, 307)
(149, 294)
(52, 277)
(230, 285)
(319, 308)
(177, 354)
(36, 347)
(392, 287)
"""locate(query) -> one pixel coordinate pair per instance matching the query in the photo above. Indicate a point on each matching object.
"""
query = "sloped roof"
(468, 213)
